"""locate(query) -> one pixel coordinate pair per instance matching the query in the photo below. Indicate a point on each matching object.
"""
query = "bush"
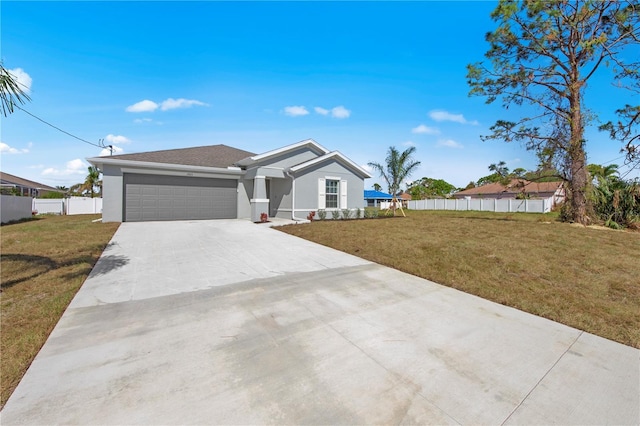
(335, 214)
(322, 214)
(617, 202)
(346, 214)
(371, 213)
(358, 213)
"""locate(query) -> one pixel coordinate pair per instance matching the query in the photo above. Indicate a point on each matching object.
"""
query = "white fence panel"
(14, 208)
(505, 205)
(83, 205)
(48, 206)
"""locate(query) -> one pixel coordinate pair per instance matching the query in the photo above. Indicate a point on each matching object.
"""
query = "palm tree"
(377, 187)
(398, 167)
(10, 92)
(603, 173)
(92, 180)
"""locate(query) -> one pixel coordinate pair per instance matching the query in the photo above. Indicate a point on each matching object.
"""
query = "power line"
(63, 131)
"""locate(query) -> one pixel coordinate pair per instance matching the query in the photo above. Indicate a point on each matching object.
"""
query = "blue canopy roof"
(370, 194)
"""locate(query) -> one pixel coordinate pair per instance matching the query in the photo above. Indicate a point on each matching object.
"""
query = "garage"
(159, 197)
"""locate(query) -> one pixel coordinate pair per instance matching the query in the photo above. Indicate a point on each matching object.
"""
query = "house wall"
(280, 198)
(306, 196)
(245, 190)
(112, 194)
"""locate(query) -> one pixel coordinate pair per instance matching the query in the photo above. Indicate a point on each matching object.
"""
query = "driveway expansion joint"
(543, 377)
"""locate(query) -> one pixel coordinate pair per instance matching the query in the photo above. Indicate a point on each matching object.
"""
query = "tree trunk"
(580, 205)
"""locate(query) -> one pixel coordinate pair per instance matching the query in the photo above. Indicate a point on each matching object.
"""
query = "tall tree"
(430, 188)
(10, 92)
(543, 53)
(92, 180)
(397, 168)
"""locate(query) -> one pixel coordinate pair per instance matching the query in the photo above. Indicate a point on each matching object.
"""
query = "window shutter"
(343, 194)
(322, 199)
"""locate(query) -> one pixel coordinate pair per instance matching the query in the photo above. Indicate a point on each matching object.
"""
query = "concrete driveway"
(228, 322)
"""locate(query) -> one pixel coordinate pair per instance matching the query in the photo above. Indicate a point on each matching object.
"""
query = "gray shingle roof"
(9, 179)
(206, 156)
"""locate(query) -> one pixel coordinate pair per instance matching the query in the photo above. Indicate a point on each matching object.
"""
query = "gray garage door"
(154, 197)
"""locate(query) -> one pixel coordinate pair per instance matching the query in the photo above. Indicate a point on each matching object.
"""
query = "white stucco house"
(221, 182)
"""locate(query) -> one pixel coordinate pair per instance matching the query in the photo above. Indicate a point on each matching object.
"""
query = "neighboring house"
(404, 197)
(518, 188)
(375, 198)
(10, 184)
(221, 182)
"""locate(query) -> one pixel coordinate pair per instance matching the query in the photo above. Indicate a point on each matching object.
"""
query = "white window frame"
(341, 195)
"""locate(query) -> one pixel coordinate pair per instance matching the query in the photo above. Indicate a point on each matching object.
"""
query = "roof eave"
(100, 161)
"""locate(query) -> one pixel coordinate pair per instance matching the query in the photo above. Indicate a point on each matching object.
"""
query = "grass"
(587, 278)
(43, 264)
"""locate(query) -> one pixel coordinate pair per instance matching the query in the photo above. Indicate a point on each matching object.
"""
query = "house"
(375, 198)
(220, 182)
(404, 198)
(10, 184)
(517, 188)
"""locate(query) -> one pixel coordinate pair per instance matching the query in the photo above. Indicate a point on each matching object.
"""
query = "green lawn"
(43, 262)
(588, 278)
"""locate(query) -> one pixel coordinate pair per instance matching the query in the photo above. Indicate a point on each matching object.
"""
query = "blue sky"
(357, 77)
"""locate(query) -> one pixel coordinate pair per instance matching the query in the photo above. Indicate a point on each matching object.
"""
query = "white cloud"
(422, 129)
(321, 111)
(113, 139)
(171, 103)
(73, 167)
(440, 115)
(449, 143)
(24, 80)
(143, 106)
(409, 143)
(106, 152)
(6, 149)
(142, 120)
(340, 112)
(166, 105)
(295, 110)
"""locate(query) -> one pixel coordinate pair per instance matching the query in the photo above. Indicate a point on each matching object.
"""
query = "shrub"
(311, 215)
(346, 214)
(358, 213)
(335, 214)
(322, 214)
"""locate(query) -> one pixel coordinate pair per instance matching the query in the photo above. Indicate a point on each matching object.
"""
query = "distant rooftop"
(370, 194)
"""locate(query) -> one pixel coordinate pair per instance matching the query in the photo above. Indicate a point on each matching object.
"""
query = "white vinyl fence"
(485, 205)
(73, 205)
(14, 208)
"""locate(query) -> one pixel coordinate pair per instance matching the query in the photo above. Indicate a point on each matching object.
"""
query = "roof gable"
(312, 145)
(334, 155)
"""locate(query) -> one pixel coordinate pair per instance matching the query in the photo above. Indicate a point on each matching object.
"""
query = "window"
(332, 194)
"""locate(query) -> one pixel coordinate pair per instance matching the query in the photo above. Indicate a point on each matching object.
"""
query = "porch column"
(259, 202)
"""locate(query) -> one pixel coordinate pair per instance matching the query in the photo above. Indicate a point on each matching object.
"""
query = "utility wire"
(58, 128)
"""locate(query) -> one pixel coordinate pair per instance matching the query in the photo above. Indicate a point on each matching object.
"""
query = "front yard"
(587, 278)
(43, 262)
